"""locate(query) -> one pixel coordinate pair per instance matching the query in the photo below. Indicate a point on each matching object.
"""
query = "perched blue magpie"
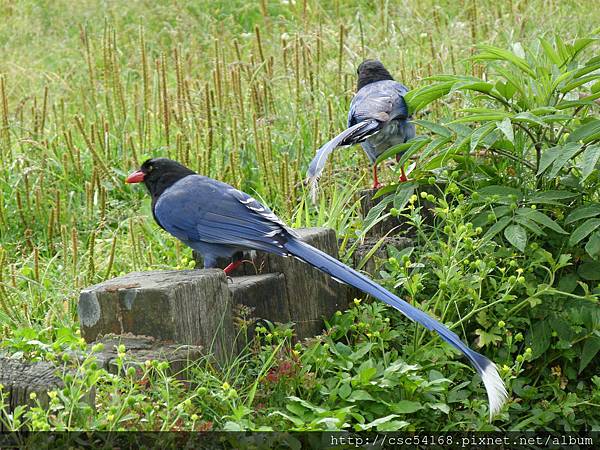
(218, 220)
(378, 119)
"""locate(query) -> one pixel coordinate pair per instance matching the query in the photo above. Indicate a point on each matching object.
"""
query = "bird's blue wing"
(200, 209)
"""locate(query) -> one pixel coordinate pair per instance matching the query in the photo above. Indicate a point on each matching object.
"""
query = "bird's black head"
(158, 174)
(371, 70)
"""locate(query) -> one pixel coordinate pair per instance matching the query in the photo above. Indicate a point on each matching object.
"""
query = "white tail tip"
(494, 387)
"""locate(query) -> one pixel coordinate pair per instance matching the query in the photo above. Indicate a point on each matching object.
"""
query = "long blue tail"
(489, 374)
(353, 135)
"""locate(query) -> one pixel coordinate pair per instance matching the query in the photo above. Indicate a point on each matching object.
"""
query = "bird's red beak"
(136, 177)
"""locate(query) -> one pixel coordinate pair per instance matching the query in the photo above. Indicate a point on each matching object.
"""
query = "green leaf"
(583, 230)
(540, 337)
(552, 197)
(550, 53)
(590, 349)
(480, 133)
(435, 127)
(583, 212)
(419, 98)
(589, 160)
(502, 191)
(359, 395)
(568, 151)
(361, 352)
(366, 374)
(486, 338)
(489, 52)
(593, 245)
(377, 422)
(344, 390)
(408, 149)
(586, 133)
(496, 228)
(405, 407)
(403, 194)
(506, 127)
(541, 218)
(589, 271)
(548, 157)
(517, 236)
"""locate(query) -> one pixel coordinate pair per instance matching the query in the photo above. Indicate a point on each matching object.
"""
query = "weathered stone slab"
(186, 307)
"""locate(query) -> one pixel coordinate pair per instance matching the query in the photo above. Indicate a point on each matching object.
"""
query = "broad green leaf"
(408, 148)
(506, 127)
(568, 151)
(529, 118)
(589, 271)
(549, 50)
(344, 390)
(583, 212)
(541, 218)
(435, 127)
(359, 395)
(548, 157)
(586, 133)
(552, 197)
(590, 349)
(419, 98)
(486, 338)
(583, 230)
(590, 158)
(530, 225)
(499, 54)
(593, 245)
(405, 407)
(377, 422)
(539, 339)
(403, 194)
(517, 236)
(496, 228)
(479, 134)
(502, 191)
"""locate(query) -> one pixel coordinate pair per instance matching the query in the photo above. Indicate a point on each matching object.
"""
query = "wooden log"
(186, 307)
(139, 349)
(311, 293)
(20, 379)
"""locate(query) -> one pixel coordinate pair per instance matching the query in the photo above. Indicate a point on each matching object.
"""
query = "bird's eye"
(150, 168)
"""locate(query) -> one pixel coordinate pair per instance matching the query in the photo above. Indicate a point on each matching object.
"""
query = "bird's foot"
(403, 179)
(376, 185)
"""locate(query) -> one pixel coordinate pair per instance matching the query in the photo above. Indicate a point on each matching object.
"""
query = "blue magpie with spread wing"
(218, 220)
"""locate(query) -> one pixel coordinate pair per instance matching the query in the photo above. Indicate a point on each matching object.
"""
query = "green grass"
(240, 91)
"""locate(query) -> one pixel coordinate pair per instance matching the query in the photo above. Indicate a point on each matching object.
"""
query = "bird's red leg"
(376, 183)
(232, 266)
(403, 176)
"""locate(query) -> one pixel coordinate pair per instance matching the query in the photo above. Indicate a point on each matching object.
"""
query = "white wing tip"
(494, 387)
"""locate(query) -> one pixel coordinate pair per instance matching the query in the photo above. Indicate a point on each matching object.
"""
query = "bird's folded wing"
(383, 100)
(199, 209)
